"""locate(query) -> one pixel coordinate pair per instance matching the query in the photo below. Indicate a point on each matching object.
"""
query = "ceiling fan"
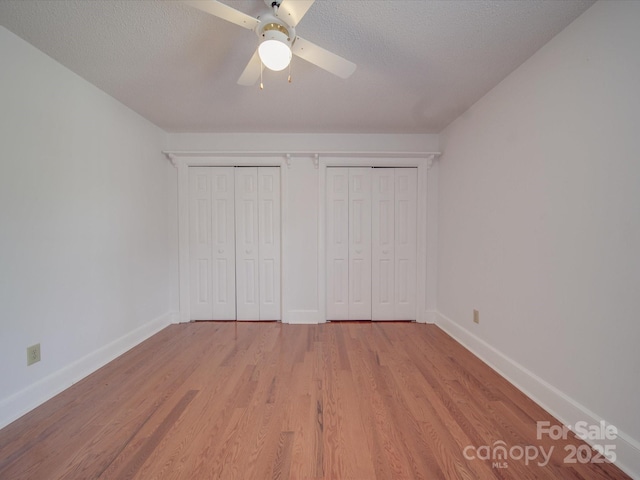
(275, 28)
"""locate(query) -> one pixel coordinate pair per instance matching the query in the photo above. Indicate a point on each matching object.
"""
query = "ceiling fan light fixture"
(274, 49)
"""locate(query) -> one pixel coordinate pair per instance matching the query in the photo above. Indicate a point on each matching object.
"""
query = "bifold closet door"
(383, 244)
(247, 246)
(337, 221)
(371, 243)
(406, 200)
(394, 243)
(348, 243)
(234, 243)
(257, 243)
(212, 243)
(360, 243)
(269, 242)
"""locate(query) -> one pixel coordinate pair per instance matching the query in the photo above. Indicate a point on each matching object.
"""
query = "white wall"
(303, 257)
(539, 224)
(300, 246)
(85, 259)
(323, 142)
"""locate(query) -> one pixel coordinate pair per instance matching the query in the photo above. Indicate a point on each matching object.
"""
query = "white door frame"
(182, 163)
(422, 163)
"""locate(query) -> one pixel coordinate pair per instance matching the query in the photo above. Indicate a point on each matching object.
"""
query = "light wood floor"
(267, 400)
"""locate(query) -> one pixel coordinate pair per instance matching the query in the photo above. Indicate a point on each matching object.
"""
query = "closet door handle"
(248, 251)
(385, 251)
(220, 251)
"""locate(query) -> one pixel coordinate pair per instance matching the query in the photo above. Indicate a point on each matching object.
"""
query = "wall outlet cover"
(33, 354)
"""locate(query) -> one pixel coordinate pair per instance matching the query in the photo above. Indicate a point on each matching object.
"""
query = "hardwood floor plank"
(282, 463)
(150, 443)
(236, 400)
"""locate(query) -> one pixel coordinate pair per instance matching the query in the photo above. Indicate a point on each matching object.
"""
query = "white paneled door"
(394, 200)
(337, 243)
(406, 197)
(234, 243)
(212, 244)
(269, 242)
(247, 254)
(371, 243)
(383, 243)
(360, 243)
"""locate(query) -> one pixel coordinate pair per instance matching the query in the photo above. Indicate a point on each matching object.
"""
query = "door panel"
(247, 246)
(406, 184)
(359, 243)
(269, 242)
(337, 244)
(383, 243)
(223, 245)
(200, 244)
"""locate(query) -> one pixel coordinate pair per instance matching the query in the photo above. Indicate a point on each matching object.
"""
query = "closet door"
(200, 244)
(247, 245)
(212, 243)
(383, 244)
(348, 243)
(360, 243)
(223, 243)
(406, 197)
(269, 242)
(337, 243)
(371, 243)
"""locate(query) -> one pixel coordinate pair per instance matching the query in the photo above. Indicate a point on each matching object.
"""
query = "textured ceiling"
(421, 63)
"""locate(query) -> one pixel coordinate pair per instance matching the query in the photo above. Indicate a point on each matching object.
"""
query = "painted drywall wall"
(539, 224)
(300, 247)
(85, 258)
(316, 143)
(303, 257)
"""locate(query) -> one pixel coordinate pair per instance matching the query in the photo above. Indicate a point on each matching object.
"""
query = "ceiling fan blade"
(224, 12)
(251, 72)
(292, 11)
(324, 59)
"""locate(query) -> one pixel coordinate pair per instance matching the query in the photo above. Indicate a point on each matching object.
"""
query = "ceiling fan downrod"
(274, 5)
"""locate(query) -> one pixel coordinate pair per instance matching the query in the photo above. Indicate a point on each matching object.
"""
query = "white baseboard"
(557, 403)
(428, 316)
(16, 405)
(314, 317)
(303, 317)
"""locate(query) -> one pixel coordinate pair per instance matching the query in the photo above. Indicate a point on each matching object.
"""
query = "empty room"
(330, 239)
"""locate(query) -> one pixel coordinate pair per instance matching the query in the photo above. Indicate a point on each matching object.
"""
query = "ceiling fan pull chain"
(290, 71)
(261, 68)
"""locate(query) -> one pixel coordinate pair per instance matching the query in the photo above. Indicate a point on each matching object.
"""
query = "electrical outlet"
(476, 316)
(33, 354)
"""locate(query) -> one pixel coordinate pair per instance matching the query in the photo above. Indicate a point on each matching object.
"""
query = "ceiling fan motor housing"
(276, 35)
(275, 28)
